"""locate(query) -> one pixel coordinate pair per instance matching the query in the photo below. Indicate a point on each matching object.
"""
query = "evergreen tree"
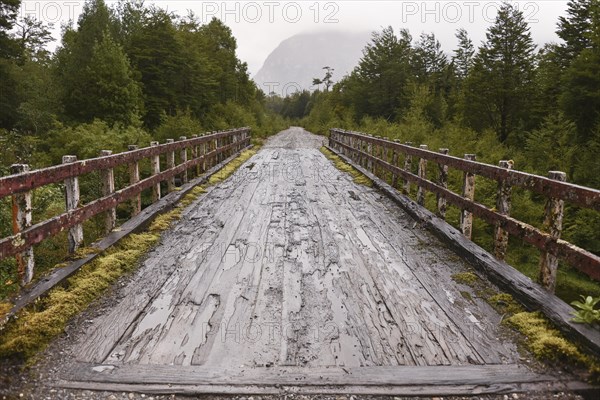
(8, 50)
(575, 29)
(75, 55)
(377, 86)
(463, 55)
(499, 90)
(113, 95)
(580, 98)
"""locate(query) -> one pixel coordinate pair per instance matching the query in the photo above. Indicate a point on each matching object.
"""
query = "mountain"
(300, 58)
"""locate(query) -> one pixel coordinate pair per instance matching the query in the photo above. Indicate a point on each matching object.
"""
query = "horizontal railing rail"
(206, 151)
(381, 155)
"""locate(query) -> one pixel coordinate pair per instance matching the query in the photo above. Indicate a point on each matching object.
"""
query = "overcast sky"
(260, 26)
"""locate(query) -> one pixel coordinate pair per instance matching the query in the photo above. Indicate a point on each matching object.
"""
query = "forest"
(506, 99)
(122, 75)
(132, 73)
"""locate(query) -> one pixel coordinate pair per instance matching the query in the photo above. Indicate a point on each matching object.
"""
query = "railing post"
(395, 164)
(170, 164)
(203, 153)
(134, 177)
(553, 217)
(442, 206)
(72, 203)
(502, 207)
(407, 168)
(378, 150)
(370, 152)
(468, 192)
(183, 159)
(423, 175)
(215, 148)
(195, 151)
(155, 166)
(21, 220)
(107, 177)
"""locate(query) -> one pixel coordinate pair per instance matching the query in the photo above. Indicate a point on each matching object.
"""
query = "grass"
(343, 166)
(37, 325)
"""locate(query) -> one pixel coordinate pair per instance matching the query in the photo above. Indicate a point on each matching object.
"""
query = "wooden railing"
(204, 152)
(382, 156)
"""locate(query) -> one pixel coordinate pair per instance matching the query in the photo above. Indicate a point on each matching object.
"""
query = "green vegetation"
(545, 342)
(343, 166)
(124, 74)
(586, 312)
(38, 324)
(506, 100)
(466, 278)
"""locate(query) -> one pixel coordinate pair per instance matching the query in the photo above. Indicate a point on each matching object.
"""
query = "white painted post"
(502, 207)
(553, 217)
(407, 168)
(423, 175)
(72, 203)
(21, 219)
(155, 166)
(108, 188)
(183, 159)
(134, 177)
(443, 182)
(466, 217)
(170, 164)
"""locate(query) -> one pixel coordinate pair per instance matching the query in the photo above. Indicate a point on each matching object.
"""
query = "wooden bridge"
(290, 277)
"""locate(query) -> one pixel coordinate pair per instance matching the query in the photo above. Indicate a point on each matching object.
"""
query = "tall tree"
(575, 28)
(113, 95)
(463, 54)
(378, 85)
(499, 90)
(8, 50)
(581, 83)
(8, 17)
(75, 55)
(428, 58)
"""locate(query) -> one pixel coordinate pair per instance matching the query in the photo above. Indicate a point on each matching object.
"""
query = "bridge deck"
(291, 264)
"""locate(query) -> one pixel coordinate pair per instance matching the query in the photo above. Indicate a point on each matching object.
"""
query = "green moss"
(466, 278)
(4, 309)
(343, 166)
(83, 252)
(467, 296)
(504, 304)
(231, 167)
(545, 342)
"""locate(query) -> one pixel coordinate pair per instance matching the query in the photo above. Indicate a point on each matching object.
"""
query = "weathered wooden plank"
(107, 177)
(574, 194)
(27, 181)
(134, 177)
(443, 182)
(299, 376)
(133, 225)
(183, 158)
(170, 156)
(468, 192)
(530, 294)
(503, 199)
(549, 387)
(75, 235)
(422, 172)
(553, 216)
(21, 219)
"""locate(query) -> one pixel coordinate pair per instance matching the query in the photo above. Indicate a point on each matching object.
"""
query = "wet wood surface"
(290, 264)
